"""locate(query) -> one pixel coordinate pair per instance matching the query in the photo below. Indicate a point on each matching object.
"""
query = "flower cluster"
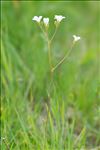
(45, 21)
(58, 19)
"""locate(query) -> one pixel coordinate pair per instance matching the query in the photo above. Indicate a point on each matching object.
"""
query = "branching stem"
(63, 59)
(54, 34)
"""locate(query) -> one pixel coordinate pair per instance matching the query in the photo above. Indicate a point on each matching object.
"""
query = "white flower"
(37, 18)
(59, 18)
(46, 21)
(76, 38)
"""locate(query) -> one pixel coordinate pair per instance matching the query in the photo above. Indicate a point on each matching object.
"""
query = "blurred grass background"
(25, 78)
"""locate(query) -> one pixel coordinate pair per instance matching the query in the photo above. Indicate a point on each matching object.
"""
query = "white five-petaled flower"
(37, 18)
(76, 38)
(59, 18)
(46, 21)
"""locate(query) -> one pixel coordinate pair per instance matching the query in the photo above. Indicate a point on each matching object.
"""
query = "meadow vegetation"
(37, 114)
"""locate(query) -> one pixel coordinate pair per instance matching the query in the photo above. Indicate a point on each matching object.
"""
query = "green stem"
(63, 59)
(49, 56)
(42, 29)
(53, 34)
(49, 48)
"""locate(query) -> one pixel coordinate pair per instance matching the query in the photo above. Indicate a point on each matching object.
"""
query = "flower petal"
(59, 18)
(37, 18)
(46, 21)
(76, 38)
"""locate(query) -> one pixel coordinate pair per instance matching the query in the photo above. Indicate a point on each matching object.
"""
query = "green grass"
(35, 116)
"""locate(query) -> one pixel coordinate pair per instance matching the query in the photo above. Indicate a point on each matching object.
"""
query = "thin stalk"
(49, 56)
(53, 34)
(42, 29)
(63, 59)
(49, 47)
